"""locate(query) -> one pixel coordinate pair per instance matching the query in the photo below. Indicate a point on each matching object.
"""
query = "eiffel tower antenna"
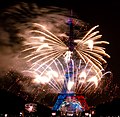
(71, 39)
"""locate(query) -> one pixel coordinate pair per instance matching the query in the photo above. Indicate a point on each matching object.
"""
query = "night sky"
(106, 15)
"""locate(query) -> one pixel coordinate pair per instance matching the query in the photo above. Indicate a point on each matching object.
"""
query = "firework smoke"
(17, 21)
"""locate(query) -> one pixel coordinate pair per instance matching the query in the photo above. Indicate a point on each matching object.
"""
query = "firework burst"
(52, 63)
(45, 36)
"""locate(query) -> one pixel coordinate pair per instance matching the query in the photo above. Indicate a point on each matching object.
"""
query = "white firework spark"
(89, 49)
(46, 50)
(46, 53)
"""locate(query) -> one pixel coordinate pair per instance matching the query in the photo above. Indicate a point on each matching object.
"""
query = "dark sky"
(106, 15)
